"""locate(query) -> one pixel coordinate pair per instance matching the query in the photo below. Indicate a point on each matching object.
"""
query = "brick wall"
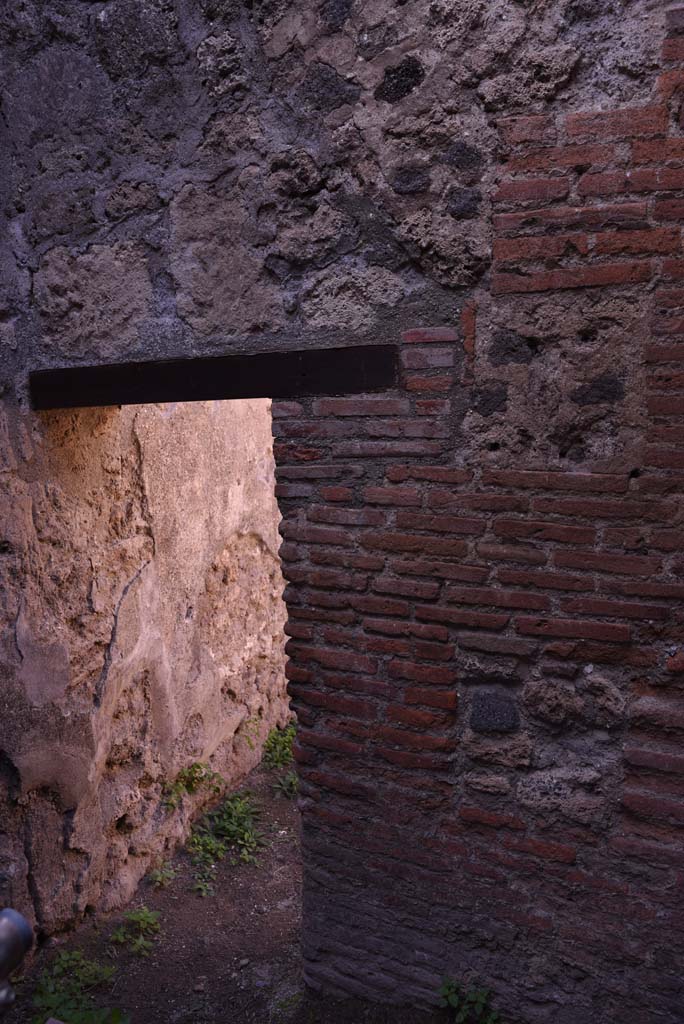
(487, 650)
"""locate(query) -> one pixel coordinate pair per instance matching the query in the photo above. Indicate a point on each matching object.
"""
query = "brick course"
(560, 844)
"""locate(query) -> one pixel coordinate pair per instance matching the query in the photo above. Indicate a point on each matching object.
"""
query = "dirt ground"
(229, 958)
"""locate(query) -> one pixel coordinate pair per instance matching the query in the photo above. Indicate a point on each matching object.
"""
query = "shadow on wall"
(144, 631)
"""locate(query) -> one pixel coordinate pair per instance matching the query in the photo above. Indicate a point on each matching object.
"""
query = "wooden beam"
(330, 371)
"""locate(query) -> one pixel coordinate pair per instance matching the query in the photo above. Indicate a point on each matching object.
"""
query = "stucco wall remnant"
(484, 565)
(142, 631)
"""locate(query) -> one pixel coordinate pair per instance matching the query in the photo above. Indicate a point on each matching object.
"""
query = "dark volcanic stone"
(411, 179)
(334, 13)
(604, 389)
(323, 89)
(493, 711)
(400, 80)
(373, 41)
(463, 157)
(130, 33)
(464, 203)
(490, 679)
(509, 347)
(487, 401)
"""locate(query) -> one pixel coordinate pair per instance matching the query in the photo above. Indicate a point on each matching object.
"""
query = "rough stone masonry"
(485, 564)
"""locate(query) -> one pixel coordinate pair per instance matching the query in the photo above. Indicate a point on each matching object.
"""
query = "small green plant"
(278, 747)
(230, 828)
(65, 991)
(189, 780)
(287, 785)
(163, 876)
(470, 1006)
(139, 930)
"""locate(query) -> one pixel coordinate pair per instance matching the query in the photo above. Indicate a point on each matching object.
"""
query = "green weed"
(162, 876)
(65, 991)
(230, 828)
(287, 785)
(189, 780)
(469, 1006)
(278, 747)
(139, 930)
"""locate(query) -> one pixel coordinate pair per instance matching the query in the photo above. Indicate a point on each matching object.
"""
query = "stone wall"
(485, 563)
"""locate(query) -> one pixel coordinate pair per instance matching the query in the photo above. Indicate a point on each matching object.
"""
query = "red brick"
(443, 570)
(427, 359)
(361, 407)
(673, 50)
(630, 565)
(346, 516)
(373, 605)
(435, 383)
(543, 849)
(282, 410)
(645, 805)
(670, 82)
(578, 628)
(657, 151)
(606, 183)
(655, 240)
(490, 819)
(660, 760)
(425, 762)
(416, 629)
(640, 588)
(482, 501)
(447, 699)
(664, 353)
(665, 179)
(627, 123)
(346, 559)
(385, 449)
(329, 578)
(424, 589)
(336, 493)
(614, 609)
(556, 481)
(673, 270)
(668, 325)
(668, 540)
(347, 661)
(535, 247)
(414, 717)
(562, 157)
(462, 617)
(505, 645)
(666, 379)
(544, 580)
(437, 474)
(414, 740)
(664, 458)
(414, 543)
(545, 531)
(498, 598)
(433, 406)
(293, 490)
(344, 705)
(601, 275)
(306, 737)
(614, 215)
(675, 664)
(669, 209)
(428, 335)
(532, 189)
(512, 553)
(665, 405)
(396, 496)
(438, 675)
(314, 534)
(529, 128)
(440, 524)
(601, 508)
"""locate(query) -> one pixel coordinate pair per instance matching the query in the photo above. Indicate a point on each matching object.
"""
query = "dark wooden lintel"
(295, 374)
